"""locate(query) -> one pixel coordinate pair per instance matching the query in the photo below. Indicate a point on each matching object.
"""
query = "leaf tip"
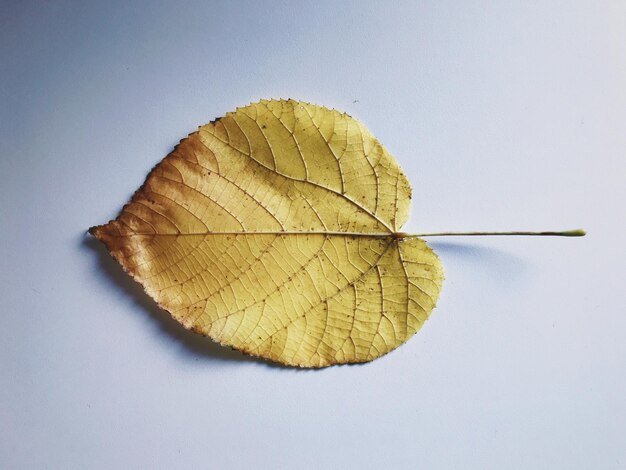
(104, 233)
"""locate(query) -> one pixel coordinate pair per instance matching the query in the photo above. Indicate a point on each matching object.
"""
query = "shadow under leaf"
(193, 343)
(500, 267)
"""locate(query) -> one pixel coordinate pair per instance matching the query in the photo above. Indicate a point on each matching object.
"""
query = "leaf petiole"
(565, 233)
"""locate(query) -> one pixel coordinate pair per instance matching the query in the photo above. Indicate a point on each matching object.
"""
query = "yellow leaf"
(275, 230)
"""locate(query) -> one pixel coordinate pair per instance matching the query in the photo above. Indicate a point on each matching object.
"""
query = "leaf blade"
(270, 285)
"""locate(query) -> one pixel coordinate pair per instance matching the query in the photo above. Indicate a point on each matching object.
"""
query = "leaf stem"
(565, 233)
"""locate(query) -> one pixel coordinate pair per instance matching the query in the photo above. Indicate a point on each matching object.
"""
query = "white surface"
(504, 115)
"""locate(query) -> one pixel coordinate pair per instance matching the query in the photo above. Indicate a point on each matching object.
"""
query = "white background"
(504, 115)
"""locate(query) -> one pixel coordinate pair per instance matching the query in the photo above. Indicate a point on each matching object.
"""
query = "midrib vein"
(268, 232)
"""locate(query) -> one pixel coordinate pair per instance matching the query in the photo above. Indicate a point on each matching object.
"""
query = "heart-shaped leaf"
(275, 230)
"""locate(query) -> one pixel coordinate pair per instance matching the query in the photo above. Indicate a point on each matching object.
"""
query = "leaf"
(274, 230)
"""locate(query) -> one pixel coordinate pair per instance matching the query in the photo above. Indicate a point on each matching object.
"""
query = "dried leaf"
(274, 230)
